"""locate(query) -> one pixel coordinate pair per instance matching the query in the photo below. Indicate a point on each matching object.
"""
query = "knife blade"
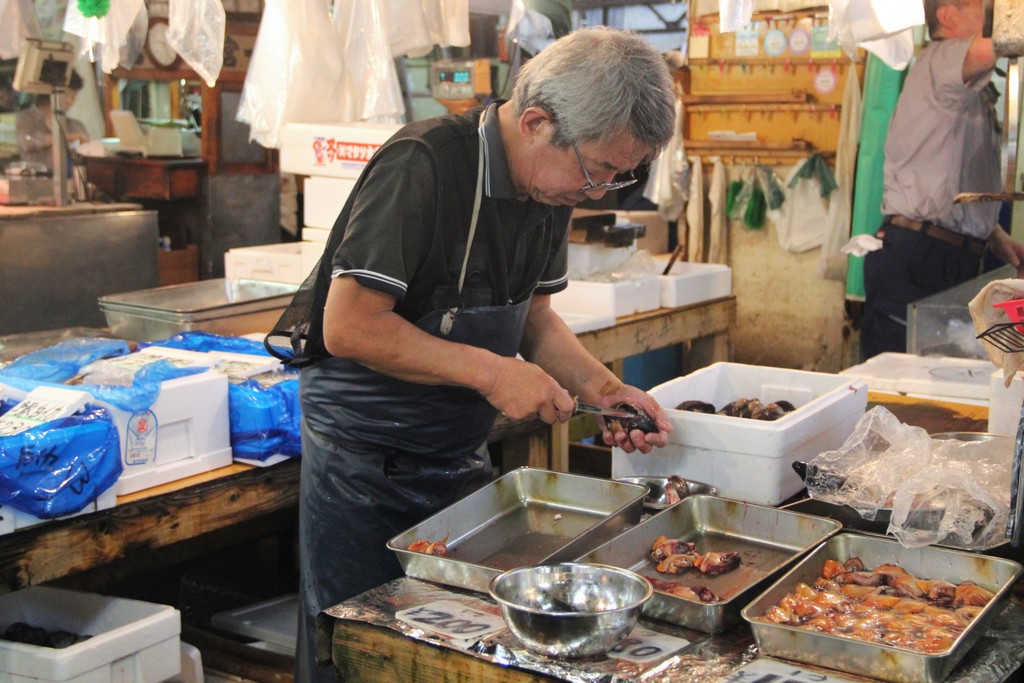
(598, 410)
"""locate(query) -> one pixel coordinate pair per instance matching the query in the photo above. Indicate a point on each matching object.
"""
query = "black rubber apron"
(387, 458)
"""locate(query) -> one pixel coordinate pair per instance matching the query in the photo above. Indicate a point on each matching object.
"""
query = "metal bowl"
(572, 609)
(657, 497)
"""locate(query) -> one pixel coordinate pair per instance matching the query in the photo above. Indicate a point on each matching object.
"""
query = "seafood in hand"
(640, 420)
(886, 605)
(438, 548)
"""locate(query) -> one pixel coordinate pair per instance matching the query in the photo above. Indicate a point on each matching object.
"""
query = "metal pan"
(868, 659)
(766, 538)
(526, 517)
(657, 499)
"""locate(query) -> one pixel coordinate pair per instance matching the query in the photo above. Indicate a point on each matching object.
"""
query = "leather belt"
(972, 244)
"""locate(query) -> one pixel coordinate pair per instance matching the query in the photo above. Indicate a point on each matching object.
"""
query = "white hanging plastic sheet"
(18, 21)
(669, 182)
(134, 40)
(195, 29)
(296, 73)
(883, 27)
(372, 91)
(103, 37)
(734, 14)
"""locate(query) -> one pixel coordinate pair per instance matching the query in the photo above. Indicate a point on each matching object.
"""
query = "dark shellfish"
(640, 420)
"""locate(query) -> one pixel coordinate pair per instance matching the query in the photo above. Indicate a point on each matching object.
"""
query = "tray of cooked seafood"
(869, 606)
(526, 517)
(707, 556)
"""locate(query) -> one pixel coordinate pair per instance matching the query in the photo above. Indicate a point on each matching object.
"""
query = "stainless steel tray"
(656, 499)
(766, 538)
(868, 659)
(526, 517)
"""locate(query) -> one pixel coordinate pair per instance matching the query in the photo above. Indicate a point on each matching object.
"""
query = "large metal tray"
(868, 659)
(526, 517)
(220, 305)
(766, 538)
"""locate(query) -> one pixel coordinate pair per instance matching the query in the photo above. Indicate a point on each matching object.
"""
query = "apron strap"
(449, 316)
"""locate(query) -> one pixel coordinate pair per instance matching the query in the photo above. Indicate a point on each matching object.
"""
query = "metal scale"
(1008, 337)
(459, 83)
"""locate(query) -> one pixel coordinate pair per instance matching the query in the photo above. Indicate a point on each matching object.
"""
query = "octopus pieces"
(437, 548)
(887, 606)
(751, 408)
(675, 556)
(695, 593)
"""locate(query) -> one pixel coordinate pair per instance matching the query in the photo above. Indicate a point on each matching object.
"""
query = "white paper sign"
(452, 620)
(643, 645)
(42, 404)
(772, 671)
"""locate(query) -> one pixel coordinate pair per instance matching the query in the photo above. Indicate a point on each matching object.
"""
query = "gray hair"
(597, 83)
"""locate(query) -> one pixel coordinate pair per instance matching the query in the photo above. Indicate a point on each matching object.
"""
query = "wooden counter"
(240, 499)
(147, 178)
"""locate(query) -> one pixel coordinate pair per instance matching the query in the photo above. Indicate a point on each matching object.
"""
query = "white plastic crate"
(337, 151)
(288, 262)
(617, 299)
(131, 640)
(587, 259)
(750, 460)
(323, 199)
(691, 283)
(963, 380)
(1004, 408)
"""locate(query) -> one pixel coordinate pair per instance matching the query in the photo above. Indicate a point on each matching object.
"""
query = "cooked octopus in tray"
(438, 548)
(695, 593)
(886, 606)
(751, 408)
(674, 556)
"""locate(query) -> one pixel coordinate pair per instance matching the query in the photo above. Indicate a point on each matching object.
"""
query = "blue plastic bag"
(197, 340)
(265, 421)
(64, 360)
(61, 466)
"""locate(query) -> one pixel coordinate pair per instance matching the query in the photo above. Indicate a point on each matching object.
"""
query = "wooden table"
(237, 500)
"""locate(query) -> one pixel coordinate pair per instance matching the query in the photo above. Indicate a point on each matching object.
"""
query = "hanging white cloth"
(694, 226)
(718, 224)
(372, 91)
(415, 26)
(734, 14)
(832, 265)
(801, 221)
(195, 29)
(18, 21)
(668, 183)
(103, 37)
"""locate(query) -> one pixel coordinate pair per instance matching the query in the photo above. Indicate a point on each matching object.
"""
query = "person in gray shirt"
(943, 139)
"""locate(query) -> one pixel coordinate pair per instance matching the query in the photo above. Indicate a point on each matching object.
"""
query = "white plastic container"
(1004, 409)
(617, 299)
(691, 283)
(587, 259)
(287, 262)
(315, 235)
(961, 380)
(323, 199)
(337, 151)
(131, 640)
(749, 460)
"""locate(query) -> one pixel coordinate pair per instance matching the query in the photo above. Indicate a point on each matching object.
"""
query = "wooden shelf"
(784, 97)
(755, 107)
(706, 62)
(762, 146)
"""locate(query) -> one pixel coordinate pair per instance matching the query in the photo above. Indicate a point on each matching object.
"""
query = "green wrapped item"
(815, 167)
(731, 195)
(756, 209)
(771, 186)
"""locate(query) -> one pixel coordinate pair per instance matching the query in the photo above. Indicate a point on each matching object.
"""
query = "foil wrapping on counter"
(705, 658)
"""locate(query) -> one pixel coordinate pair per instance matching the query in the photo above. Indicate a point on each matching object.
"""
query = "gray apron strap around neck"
(449, 316)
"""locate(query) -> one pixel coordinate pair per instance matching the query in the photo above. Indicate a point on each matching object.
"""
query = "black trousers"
(909, 267)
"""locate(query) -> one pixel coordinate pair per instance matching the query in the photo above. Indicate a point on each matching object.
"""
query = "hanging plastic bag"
(670, 180)
(59, 467)
(195, 29)
(882, 27)
(296, 74)
(18, 21)
(134, 40)
(103, 37)
(800, 221)
(735, 14)
(372, 91)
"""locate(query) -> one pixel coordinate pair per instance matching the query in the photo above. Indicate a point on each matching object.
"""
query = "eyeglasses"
(604, 187)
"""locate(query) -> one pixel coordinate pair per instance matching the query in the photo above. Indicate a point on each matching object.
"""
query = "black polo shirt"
(398, 241)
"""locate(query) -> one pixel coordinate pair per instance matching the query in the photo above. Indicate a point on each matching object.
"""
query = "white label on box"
(42, 404)
(140, 438)
(643, 645)
(452, 620)
(771, 671)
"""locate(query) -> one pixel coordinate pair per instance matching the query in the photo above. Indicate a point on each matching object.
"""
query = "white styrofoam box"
(323, 199)
(191, 666)
(1004, 407)
(271, 262)
(594, 257)
(131, 640)
(21, 520)
(580, 323)
(185, 432)
(337, 151)
(317, 235)
(963, 380)
(617, 299)
(750, 460)
(311, 254)
(691, 283)
(273, 621)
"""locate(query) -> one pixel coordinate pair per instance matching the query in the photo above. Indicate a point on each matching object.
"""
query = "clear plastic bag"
(195, 29)
(18, 21)
(107, 34)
